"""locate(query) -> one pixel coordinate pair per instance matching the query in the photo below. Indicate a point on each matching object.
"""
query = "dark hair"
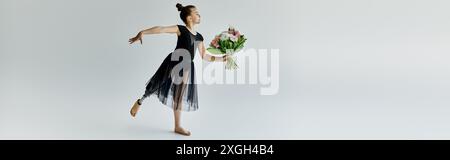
(185, 11)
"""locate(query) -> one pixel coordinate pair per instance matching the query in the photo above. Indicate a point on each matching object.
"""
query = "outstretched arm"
(208, 57)
(155, 30)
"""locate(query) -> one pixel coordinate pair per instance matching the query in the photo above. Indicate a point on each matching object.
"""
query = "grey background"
(349, 69)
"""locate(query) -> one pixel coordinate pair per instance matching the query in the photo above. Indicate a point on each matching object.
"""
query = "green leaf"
(240, 47)
(214, 51)
(222, 46)
(227, 45)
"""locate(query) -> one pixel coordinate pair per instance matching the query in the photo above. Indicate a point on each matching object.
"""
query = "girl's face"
(194, 17)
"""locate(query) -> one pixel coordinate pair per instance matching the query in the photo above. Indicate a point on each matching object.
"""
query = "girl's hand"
(225, 57)
(134, 39)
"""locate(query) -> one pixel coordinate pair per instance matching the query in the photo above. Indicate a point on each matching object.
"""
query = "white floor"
(276, 117)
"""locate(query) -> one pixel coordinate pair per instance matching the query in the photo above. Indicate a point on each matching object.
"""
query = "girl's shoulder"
(199, 36)
(182, 28)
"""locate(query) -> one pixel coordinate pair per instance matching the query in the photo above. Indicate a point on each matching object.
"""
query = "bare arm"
(208, 57)
(155, 30)
(162, 29)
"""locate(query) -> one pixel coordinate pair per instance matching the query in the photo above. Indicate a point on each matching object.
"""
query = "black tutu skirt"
(170, 92)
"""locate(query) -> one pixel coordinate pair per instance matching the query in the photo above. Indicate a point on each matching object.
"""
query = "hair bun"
(179, 6)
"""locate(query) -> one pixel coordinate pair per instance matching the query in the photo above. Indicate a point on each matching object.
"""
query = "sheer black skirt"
(176, 93)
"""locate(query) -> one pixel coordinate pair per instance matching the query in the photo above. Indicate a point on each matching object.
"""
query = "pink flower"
(215, 42)
(237, 34)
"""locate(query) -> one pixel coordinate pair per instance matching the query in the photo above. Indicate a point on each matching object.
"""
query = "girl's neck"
(191, 27)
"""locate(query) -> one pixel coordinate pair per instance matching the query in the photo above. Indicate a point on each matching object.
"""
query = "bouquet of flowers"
(228, 42)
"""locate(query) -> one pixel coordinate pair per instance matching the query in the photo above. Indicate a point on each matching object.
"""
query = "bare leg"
(178, 129)
(177, 110)
(135, 108)
(137, 105)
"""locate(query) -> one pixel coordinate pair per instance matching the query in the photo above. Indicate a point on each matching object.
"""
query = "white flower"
(231, 28)
(233, 38)
(224, 36)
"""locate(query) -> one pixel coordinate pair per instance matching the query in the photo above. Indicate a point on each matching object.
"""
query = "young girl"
(174, 81)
